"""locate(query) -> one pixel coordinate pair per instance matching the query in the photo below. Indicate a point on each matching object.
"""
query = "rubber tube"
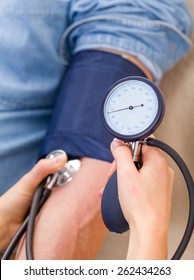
(111, 210)
(190, 186)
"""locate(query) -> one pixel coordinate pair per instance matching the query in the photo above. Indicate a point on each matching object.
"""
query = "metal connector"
(51, 181)
(136, 150)
(64, 175)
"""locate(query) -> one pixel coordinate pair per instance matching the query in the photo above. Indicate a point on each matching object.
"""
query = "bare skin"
(145, 197)
(133, 59)
(70, 220)
(11, 213)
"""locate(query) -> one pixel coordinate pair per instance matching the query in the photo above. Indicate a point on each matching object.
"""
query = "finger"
(112, 169)
(42, 169)
(152, 136)
(171, 175)
(153, 158)
(100, 193)
(123, 156)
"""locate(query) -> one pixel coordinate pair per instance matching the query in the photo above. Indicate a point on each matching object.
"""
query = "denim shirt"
(33, 33)
(37, 40)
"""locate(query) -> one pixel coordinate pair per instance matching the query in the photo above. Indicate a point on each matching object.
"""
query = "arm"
(133, 59)
(15, 203)
(145, 198)
(76, 205)
(74, 209)
(70, 226)
(154, 32)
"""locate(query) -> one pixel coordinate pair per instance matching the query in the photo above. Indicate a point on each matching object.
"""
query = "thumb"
(123, 156)
(43, 168)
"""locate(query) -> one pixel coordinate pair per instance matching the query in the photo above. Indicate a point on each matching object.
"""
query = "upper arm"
(156, 32)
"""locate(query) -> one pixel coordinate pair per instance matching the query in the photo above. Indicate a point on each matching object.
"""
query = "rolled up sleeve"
(156, 32)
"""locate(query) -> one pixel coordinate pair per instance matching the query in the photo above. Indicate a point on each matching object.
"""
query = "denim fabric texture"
(37, 40)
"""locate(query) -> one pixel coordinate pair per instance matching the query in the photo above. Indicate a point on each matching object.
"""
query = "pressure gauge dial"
(133, 109)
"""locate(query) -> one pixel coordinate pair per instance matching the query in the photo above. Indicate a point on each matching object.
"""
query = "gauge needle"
(128, 108)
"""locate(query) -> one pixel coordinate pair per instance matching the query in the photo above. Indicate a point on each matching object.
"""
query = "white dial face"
(131, 107)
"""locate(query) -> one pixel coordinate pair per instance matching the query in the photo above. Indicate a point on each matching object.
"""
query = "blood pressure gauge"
(133, 109)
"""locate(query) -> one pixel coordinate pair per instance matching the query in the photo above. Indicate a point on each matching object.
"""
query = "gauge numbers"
(131, 107)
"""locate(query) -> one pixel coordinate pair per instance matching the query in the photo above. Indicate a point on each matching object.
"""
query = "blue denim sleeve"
(156, 32)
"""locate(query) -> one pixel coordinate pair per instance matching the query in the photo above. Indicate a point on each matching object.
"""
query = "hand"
(145, 199)
(15, 203)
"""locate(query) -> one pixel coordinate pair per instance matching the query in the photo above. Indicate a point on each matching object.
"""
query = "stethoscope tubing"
(41, 195)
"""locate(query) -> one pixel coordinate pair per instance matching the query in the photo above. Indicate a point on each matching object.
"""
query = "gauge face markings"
(131, 107)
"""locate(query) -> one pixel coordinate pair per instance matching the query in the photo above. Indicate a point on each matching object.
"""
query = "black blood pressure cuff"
(76, 125)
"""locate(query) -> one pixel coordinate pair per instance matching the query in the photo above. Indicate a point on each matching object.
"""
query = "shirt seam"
(124, 21)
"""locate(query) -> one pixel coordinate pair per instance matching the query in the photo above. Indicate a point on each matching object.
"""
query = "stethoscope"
(132, 110)
(58, 179)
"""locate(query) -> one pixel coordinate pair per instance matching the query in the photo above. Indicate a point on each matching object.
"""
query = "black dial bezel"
(152, 127)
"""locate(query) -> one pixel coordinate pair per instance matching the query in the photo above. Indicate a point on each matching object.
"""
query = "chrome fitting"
(136, 149)
(64, 175)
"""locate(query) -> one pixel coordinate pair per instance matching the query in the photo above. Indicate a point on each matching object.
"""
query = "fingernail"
(59, 159)
(116, 142)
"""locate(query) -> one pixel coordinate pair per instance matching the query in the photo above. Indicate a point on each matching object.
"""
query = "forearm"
(3, 235)
(7, 226)
(70, 225)
(149, 242)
